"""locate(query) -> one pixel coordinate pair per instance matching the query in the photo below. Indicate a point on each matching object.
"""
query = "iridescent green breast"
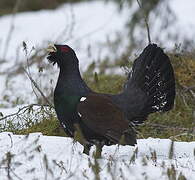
(66, 103)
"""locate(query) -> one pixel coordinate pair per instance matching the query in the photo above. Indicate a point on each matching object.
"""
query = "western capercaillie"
(107, 118)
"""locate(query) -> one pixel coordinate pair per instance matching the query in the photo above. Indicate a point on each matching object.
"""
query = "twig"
(17, 68)
(11, 140)
(188, 88)
(182, 134)
(146, 22)
(28, 66)
(192, 93)
(30, 77)
(15, 174)
(165, 126)
(11, 170)
(20, 109)
(184, 101)
(37, 87)
(68, 31)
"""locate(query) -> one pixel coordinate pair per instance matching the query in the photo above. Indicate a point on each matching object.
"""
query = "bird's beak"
(51, 48)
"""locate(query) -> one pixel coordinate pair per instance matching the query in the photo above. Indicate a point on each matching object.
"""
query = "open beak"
(51, 48)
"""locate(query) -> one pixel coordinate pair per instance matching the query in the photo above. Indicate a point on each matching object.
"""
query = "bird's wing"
(103, 117)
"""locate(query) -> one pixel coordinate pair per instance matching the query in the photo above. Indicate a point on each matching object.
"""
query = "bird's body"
(106, 118)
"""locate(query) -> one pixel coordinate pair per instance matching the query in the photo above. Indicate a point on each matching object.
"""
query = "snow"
(7, 111)
(184, 11)
(38, 156)
(72, 24)
(80, 25)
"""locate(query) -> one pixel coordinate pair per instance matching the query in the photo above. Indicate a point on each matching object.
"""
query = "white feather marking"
(79, 114)
(83, 99)
(64, 126)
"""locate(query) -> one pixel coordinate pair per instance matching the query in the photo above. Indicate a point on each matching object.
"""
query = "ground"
(41, 157)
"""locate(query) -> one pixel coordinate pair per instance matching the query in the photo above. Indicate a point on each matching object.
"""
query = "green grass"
(48, 126)
(111, 84)
(177, 121)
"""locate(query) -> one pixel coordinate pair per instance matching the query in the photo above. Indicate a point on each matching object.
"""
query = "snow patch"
(65, 159)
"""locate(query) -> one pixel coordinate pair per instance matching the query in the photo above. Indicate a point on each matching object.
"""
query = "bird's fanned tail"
(152, 77)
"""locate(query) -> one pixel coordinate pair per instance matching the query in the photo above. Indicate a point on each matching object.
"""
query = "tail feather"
(165, 88)
(152, 72)
(160, 86)
(138, 71)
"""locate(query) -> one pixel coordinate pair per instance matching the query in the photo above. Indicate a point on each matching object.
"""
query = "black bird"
(106, 118)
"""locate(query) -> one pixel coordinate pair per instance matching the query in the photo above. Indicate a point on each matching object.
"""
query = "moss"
(49, 127)
(106, 83)
(184, 66)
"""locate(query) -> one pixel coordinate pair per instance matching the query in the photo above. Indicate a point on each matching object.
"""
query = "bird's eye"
(64, 49)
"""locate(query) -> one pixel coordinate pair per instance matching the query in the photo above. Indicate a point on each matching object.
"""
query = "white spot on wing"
(82, 99)
(79, 114)
(64, 126)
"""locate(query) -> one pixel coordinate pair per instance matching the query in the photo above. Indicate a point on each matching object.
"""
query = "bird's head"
(63, 55)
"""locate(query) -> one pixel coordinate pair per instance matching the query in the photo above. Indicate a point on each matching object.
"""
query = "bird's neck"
(70, 82)
(71, 72)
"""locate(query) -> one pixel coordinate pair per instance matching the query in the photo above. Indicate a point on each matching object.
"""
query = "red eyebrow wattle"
(65, 49)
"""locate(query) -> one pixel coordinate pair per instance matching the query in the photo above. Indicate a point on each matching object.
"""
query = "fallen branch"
(182, 134)
(165, 126)
(188, 88)
(21, 109)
